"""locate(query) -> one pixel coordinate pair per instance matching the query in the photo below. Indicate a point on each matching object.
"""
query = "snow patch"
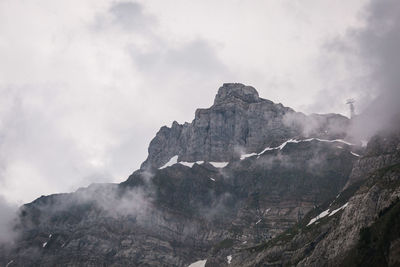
(265, 150)
(336, 210)
(229, 259)
(242, 157)
(171, 162)
(8, 264)
(44, 244)
(326, 212)
(200, 263)
(354, 154)
(174, 160)
(279, 147)
(321, 215)
(190, 164)
(219, 164)
(212, 179)
(288, 141)
(299, 141)
(258, 221)
(335, 140)
(329, 141)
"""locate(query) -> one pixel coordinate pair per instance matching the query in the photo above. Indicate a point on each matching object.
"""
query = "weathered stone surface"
(383, 150)
(381, 189)
(178, 215)
(239, 121)
(332, 241)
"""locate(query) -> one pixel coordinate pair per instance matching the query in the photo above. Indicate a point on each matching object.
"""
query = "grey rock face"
(383, 150)
(231, 92)
(177, 215)
(180, 214)
(362, 211)
(332, 240)
(380, 190)
(239, 121)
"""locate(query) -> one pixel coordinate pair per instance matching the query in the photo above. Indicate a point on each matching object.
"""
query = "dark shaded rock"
(363, 230)
(383, 150)
(177, 215)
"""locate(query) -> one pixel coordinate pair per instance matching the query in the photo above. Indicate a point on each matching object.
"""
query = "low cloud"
(85, 86)
(371, 56)
(317, 125)
(87, 110)
(93, 202)
(8, 216)
(116, 203)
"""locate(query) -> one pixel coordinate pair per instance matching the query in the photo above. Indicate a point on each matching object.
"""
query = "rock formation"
(247, 183)
(239, 121)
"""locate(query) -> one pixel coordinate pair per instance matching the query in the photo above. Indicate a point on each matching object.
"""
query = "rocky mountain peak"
(252, 188)
(232, 92)
(238, 122)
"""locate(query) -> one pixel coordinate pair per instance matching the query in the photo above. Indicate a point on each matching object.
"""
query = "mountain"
(247, 183)
(239, 121)
(360, 227)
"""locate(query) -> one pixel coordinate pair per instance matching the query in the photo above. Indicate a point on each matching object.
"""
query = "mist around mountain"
(248, 182)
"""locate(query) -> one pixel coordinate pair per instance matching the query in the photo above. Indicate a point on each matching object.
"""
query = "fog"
(85, 86)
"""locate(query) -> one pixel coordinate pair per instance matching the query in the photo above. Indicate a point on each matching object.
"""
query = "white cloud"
(85, 85)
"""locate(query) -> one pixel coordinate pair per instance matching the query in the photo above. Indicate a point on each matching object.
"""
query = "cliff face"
(246, 172)
(181, 214)
(382, 151)
(360, 227)
(380, 188)
(238, 121)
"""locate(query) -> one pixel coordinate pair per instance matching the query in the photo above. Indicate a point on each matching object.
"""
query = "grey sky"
(85, 85)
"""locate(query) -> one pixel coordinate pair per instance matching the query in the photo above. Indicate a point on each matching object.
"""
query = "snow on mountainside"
(174, 160)
(355, 228)
(239, 120)
(233, 187)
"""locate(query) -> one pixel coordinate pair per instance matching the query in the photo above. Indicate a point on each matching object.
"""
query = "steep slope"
(241, 173)
(358, 228)
(379, 191)
(179, 214)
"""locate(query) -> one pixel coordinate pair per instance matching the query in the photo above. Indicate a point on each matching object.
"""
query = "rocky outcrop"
(189, 211)
(356, 228)
(181, 214)
(239, 121)
(380, 190)
(382, 150)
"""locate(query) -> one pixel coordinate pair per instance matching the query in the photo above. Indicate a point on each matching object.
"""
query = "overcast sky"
(85, 85)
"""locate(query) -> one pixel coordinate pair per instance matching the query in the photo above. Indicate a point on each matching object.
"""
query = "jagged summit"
(239, 121)
(230, 92)
(284, 206)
